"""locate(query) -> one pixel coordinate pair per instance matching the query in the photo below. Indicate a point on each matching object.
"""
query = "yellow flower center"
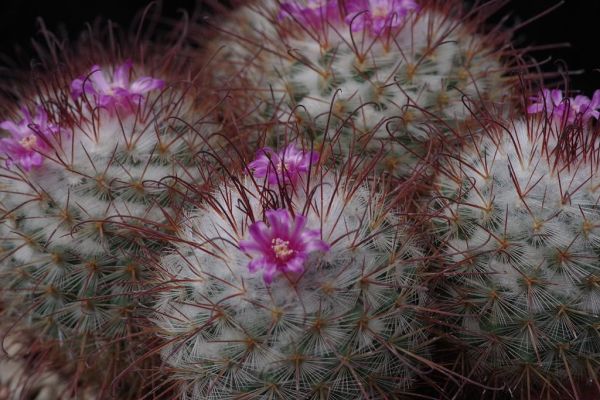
(379, 11)
(28, 142)
(281, 248)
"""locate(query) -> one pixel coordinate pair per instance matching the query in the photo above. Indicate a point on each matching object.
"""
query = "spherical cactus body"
(293, 285)
(518, 223)
(95, 155)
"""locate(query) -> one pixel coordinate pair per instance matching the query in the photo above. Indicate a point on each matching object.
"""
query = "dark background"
(576, 22)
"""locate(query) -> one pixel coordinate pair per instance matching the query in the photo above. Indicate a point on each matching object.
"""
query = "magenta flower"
(29, 139)
(554, 103)
(376, 15)
(283, 167)
(315, 13)
(584, 108)
(115, 93)
(283, 246)
(547, 100)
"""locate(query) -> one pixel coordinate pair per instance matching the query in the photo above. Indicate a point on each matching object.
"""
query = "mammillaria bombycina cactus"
(519, 224)
(95, 148)
(293, 285)
(386, 71)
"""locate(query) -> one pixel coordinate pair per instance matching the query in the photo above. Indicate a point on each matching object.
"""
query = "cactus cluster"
(418, 220)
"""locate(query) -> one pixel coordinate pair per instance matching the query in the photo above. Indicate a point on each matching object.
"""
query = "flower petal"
(256, 264)
(268, 272)
(279, 221)
(97, 78)
(295, 265)
(121, 75)
(260, 233)
(13, 128)
(145, 84)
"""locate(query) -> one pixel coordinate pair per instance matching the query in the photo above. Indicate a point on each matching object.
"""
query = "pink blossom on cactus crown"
(314, 13)
(583, 107)
(377, 15)
(283, 167)
(29, 139)
(547, 100)
(117, 92)
(555, 104)
(282, 246)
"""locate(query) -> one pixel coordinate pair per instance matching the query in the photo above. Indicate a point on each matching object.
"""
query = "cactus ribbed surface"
(344, 325)
(520, 226)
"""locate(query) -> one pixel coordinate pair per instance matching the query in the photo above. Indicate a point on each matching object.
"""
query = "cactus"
(381, 73)
(21, 378)
(299, 275)
(97, 147)
(518, 223)
(289, 285)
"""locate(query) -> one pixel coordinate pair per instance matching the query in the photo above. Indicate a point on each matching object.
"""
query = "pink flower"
(29, 139)
(283, 246)
(315, 13)
(283, 167)
(376, 15)
(115, 93)
(547, 100)
(584, 108)
(559, 107)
